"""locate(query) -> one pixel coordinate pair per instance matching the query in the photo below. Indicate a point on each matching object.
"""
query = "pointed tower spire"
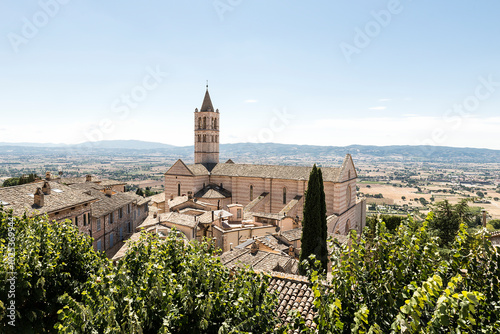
(207, 102)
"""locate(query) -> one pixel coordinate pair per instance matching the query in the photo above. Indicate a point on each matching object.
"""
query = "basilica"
(261, 191)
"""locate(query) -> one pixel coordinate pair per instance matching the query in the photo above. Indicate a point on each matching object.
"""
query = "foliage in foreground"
(50, 259)
(160, 286)
(399, 283)
(169, 286)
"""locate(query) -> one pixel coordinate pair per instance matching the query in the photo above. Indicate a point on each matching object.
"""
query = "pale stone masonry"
(98, 208)
(266, 189)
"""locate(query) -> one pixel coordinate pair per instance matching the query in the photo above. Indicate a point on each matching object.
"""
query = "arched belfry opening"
(206, 127)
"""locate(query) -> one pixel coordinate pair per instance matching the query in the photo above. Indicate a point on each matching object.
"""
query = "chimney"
(108, 191)
(254, 249)
(155, 214)
(291, 251)
(190, 195)
(88, 178)
(46, 188)
(47, 176)
(230, 246)
(171, 196)
(39, 197)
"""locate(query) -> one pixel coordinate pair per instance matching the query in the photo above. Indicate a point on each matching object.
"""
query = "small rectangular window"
(99, 245)
(98, 224)
(120, 213)
(76, 221)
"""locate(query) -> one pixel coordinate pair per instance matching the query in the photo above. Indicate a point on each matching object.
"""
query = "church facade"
(273, 190)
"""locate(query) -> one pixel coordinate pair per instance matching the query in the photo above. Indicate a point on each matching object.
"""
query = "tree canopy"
(160, 286)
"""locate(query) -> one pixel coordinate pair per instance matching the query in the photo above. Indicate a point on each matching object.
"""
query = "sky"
(325, 72)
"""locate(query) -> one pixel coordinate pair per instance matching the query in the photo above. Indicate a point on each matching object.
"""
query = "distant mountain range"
(118, 144)
(268, 151)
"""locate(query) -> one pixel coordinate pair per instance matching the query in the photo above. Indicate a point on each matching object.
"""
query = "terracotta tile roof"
(109, 204)
(255, 202)
(294, 293)
(260, 260)
(273, 171)
(111, 183)
(292, 235)
(213, 191)
(273, 243)
(177, 200)
(290, 205)
(178, 219)
(20, 198)
(158, 198)
(86, 186)
(72, 180)
(265, 171)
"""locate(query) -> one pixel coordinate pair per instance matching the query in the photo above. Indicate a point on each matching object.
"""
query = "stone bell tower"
(206, 133)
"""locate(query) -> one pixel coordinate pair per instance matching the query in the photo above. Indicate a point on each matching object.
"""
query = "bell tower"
(206, 133)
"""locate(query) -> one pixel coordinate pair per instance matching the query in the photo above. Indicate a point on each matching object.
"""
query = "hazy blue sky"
(304, 72)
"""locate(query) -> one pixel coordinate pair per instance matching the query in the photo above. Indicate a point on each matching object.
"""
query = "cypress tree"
(324, 231)
(313, 239)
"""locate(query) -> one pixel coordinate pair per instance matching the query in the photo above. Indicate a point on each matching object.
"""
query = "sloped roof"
(20, 198)
(294, 293)
(261, 260)
(158, 198)
(273, 243)
(264, 171)
(207, 103)
(213, 191)
(292, 235)
(109, 204)
(178, 218)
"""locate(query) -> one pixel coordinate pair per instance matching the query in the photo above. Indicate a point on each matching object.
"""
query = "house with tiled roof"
(106, 215)
(59, 202)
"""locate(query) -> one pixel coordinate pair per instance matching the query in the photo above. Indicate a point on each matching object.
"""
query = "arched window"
(251, 193)
(348, 196)
(178, 189)
(199, 122)
(349, 174)
(347, 227)
(204, 122)
(216, 138)
(204, 138)
(284, 195)
(213, 138)
(199, 138)
(215, 123)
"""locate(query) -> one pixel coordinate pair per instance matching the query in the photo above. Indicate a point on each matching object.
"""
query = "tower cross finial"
(207, 84)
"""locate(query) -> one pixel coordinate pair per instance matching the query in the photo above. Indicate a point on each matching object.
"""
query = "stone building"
(114, 216)
(58, 201)
(268, 189)
(107, 215)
